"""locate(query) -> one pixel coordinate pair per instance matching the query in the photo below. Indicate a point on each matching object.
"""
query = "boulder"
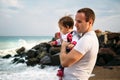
(55, 59)
(20, 50)
(18, 60)
(32, 62)
(46, 60)
(6, 56)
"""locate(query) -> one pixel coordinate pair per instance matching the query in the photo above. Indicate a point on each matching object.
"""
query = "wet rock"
(42, 47)
(6, 56)
(32, 62)
(32, 53)
(46, 60)
(104, 59)
(54, 50)
(55, 59)
(21, 50)
(15, 60)
(45, 54)
(18, 60)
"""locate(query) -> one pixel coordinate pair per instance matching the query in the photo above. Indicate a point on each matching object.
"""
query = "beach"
(106, 73)
(15, 71)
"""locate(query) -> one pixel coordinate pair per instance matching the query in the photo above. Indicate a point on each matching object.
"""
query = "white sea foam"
(10, 71)
(31, 73)
(11, 47)
(7, 51)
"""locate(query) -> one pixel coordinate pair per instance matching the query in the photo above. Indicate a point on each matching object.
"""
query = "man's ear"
(91, 22)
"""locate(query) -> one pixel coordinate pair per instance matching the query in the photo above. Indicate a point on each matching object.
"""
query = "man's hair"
(89, 13)
(66, 22)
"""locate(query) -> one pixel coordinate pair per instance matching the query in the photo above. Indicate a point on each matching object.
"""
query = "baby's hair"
(66, 21)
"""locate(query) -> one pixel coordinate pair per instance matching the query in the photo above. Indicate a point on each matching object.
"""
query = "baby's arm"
(52, 43)
(55, 43)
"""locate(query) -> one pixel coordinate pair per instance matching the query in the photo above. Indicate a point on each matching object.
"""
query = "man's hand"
(70, 46)
(65, 44)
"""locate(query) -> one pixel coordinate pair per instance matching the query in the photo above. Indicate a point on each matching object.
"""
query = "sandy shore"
(106, 73)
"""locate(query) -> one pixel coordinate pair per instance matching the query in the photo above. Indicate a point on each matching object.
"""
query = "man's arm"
(68, 59)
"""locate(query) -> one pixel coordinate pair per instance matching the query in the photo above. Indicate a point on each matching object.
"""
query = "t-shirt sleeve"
(58, 42)
(83, 45)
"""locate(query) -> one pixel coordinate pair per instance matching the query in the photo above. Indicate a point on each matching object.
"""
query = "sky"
(40, 18)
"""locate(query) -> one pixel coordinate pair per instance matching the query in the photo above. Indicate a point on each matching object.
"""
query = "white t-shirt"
(75, 37)
(88, 46)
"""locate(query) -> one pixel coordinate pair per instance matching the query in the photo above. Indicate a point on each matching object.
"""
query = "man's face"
(81, 24)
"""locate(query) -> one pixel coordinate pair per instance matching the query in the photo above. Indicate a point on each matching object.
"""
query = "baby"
(67, 33)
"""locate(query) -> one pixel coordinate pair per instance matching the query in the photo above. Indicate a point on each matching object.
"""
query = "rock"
(46, 60)
(45, 54)
(105, 56)
(32, 53)
(21, 61)
(107, 51)
(23, 54)
(55, 59)
(42, 54)
(114, 62)
(7, 56)
(32, 62)
(18, 60)
(38, 53)
(15, 60)
(21, 50)
(104, 59)
(42, 47)
(112, 35)
(54, 50)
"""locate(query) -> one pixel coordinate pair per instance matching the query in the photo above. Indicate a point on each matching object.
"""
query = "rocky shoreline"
(45, 54)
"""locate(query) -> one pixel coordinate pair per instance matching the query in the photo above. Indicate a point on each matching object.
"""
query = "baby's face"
(63, 29)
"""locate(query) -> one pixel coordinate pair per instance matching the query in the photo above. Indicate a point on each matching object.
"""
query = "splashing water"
(10, 71)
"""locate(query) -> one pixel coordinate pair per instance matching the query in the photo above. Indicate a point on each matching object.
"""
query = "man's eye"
(79, 21)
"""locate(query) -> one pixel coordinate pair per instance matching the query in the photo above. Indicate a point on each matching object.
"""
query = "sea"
(10, 71)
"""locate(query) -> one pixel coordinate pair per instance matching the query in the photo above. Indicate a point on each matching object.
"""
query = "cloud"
(10, 7)
(29, 17)
(110, 23)
(11, 3)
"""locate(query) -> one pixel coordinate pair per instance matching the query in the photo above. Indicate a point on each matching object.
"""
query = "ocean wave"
(7, 51)
(10, 47)
(10, 71)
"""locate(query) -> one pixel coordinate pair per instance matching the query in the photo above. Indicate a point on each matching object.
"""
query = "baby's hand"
(53, 43)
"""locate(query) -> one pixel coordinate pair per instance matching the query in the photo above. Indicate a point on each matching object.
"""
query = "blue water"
(10, 71)
(8, 42)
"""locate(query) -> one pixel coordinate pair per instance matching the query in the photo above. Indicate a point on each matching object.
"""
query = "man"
(80, 61)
